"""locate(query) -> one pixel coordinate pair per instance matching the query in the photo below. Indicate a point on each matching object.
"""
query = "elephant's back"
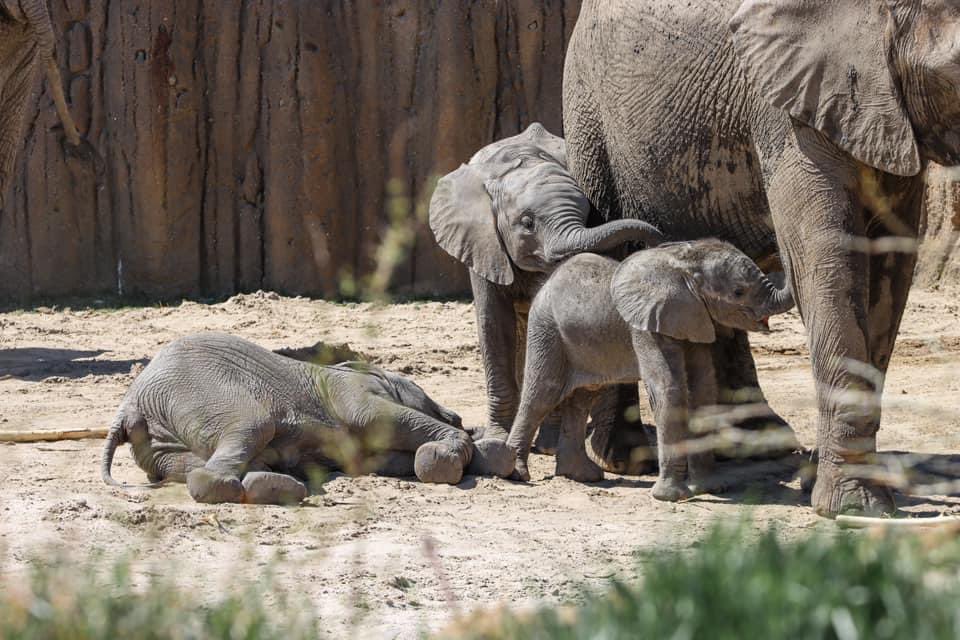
(672, 110)
(576, 303)
(211, 375)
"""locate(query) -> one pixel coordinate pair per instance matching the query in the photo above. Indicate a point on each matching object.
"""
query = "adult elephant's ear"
(464, 224)
(651, 292)
(826, 63)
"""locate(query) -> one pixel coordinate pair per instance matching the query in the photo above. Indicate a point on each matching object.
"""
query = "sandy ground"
(360, 551)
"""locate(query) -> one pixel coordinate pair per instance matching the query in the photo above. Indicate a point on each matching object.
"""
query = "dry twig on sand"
(52, 436)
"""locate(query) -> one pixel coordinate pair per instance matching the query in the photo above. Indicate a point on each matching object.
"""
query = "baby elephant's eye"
(526, 222)
(738, 292)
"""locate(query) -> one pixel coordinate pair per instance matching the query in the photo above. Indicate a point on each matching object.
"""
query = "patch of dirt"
(386, 556)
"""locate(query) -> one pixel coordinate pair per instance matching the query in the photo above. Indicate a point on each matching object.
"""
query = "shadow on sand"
(38, 363)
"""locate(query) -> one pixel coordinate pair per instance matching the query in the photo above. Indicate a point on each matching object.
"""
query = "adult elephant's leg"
(738, 387)
(619, 440)
(497, 332)
(572, 459)
(891, 273)
(809, 186)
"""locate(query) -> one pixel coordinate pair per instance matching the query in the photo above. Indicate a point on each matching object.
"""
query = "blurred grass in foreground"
(846, 586)
(101, 599)
(730, 585)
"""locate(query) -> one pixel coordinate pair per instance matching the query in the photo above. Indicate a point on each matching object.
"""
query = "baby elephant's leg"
(702, 394)
(265, 487)
(441, 450)
(662, 367)
(219, 479)
(572, 459)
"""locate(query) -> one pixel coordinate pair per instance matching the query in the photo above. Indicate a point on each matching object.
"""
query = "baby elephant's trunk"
(779, 299)
(606, 237)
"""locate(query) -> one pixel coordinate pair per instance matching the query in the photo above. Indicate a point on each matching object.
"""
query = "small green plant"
(733, 586)
(66, 600)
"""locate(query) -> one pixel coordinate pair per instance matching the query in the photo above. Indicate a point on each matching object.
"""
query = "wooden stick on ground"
(861, 522)
(52, 436)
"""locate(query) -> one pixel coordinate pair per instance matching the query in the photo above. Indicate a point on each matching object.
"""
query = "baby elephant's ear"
(465, 225)
(651, 294)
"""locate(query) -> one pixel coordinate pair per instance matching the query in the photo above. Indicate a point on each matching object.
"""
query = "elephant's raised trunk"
(581, 239)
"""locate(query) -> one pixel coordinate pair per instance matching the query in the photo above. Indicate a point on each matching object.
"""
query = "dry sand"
(359, 550)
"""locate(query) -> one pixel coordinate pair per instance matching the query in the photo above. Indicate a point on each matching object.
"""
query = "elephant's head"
(516, 205)
(405, 391)
(880, 78)
(681, 289)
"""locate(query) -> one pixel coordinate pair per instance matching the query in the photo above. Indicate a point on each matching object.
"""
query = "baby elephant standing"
(210, 408)
(598, 322)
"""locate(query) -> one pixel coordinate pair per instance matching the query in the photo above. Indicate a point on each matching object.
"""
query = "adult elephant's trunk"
(779, 299)
(577, 238)
(36, 14)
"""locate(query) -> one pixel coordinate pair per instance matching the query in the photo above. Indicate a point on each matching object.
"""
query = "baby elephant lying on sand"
(597, 322)
(233, 420)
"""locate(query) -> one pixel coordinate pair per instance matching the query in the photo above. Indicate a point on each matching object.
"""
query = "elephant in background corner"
(512, 214)
(798, 126)
(26, 45)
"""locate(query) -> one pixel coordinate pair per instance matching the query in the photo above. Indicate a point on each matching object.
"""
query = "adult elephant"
(793, 125)
(26, 46)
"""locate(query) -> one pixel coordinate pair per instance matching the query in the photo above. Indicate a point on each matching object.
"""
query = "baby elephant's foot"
(263, 487)
(578, 468)
(438, 462)
(492, 457)
(670, 490)
(207, 486)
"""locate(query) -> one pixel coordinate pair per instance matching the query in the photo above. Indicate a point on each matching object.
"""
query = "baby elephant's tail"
(116, 437)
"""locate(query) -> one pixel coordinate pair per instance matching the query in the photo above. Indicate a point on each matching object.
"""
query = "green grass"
(844, 587)
(733, 584)
(63, 600)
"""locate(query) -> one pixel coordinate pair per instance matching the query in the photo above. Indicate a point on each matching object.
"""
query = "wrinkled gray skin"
(599, 322)
(238, 422)
(26, 46)
(794, 125)
(512, 214)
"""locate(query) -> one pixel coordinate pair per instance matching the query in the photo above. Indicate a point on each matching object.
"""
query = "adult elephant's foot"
(703, 476)
(547, 436)
(835, 494)
(764, 434)
(492, 457)
(624, 449)
(520, 471)
(264, 487)
(670, 490)
(206, 486)
(578, 468)
(438, 462)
